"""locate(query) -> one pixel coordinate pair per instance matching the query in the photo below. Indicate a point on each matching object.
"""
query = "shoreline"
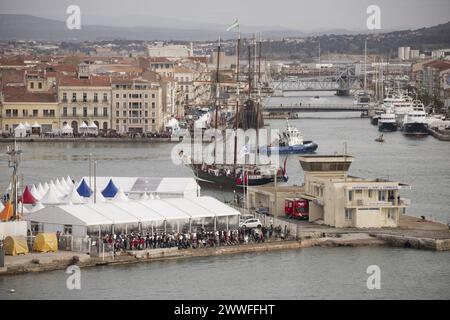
(42, 262)
(87, 139)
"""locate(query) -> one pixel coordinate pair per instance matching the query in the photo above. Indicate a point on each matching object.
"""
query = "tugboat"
(387, 122)
(291, 142)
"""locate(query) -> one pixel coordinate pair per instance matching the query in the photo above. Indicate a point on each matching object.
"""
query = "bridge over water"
(313, 107)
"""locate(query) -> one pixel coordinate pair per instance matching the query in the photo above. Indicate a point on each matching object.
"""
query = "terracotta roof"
(65, 68)
(12, 61)
(93, 81)
(441, 65)
(12, 76)
(20, 94)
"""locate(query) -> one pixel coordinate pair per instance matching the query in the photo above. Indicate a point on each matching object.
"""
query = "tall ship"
(241, 173)
(414, 122)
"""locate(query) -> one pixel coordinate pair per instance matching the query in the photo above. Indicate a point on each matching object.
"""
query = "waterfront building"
(136, 106)
(86, 99)
(335, 198)
(168, 50)
(35, 108)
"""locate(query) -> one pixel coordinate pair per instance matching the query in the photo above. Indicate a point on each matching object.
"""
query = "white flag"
(234, 25)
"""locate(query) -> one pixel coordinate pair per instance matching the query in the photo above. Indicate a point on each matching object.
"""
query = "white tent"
(143, 197)
(74, 197)
(36, 126)
(120, 196)
(57, 188)
(69, 181)
(52, 197)
(20, 131)
(98, 198)
(1, 206)
(66, 129)
(46, 187)
(92, 128)
(35, 192)
(38, 206)
(170, 213)
(172, 124)
(27, 126)
(83, 128)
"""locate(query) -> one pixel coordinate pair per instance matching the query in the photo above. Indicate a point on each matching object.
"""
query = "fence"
(290, 228)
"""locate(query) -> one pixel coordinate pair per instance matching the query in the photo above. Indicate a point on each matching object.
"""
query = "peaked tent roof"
(51, 197)
(27, 196)
(74, 197)
(35, 192)
(111, 190)
(1, 206)
(120, 196)
(84, 190)
(38, 206)
(7, 212)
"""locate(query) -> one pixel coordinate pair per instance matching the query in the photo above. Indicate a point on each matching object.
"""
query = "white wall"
(13, 228)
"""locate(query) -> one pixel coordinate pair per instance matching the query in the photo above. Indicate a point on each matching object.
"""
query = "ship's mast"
(365, 65)
(236, 116)
(216, 121)
(14, 154)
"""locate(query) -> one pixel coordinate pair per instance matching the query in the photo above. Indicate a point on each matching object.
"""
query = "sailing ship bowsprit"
(238, 175)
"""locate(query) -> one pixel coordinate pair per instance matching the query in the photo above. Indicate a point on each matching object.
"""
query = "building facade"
(85, 100)
(136, 106)
(20, 106)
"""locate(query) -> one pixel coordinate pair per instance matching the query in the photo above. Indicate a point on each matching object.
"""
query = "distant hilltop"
(27, 27)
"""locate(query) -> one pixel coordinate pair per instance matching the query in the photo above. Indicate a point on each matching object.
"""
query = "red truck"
(296, 208)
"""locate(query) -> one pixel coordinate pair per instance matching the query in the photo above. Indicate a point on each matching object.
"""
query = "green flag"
(234, 25)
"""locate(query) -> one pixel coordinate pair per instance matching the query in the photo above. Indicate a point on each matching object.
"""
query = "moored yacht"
(414, 122)
(387, 122)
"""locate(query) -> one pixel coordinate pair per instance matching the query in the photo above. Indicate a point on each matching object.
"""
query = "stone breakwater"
(61, 260)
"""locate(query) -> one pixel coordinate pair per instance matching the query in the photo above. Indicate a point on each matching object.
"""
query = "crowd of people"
(187, 240)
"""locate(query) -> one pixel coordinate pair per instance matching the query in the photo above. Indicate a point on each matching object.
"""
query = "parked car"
(251, 223)
(262, 210)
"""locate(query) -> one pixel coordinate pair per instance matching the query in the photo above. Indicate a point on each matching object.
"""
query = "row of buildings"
(433, 78)
(128, 95)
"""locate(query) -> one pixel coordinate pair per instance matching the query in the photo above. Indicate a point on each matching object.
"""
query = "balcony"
(368, 203)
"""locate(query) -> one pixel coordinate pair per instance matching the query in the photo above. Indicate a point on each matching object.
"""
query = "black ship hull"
(230, 182)
(387, 126)
(374, 120)
(415, 129)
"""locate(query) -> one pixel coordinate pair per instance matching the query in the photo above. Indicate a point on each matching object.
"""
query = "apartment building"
(35, 108)
(136, 106)
(85, 100)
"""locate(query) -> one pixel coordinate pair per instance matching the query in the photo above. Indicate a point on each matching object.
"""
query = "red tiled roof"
(441, 65)
(20, 94)
(93, 81)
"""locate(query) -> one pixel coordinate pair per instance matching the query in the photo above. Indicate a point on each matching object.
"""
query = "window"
(8, 112)
(153, 105)
(15, 113)
(117, 114)
(348, 214)
(95, 112)
(381, 196)
(153, 95)
(95, 97)
(84, 97)
(64, 97)
(105, 97)
(31, 85)
(67, 229)
(390, 214)
(350, 196)
(370, 193)
(74, 111)
(24, 113)
(117, 105)
(40, 85)
(74, 97)
(105, 112)
(84, 111)
(35, 112)
(65, 112)
(117, 96)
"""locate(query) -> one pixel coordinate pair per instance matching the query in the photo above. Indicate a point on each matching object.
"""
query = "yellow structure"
(341, 200)
(45, 242)
(21, 106)
(15, 245)
(335, 198)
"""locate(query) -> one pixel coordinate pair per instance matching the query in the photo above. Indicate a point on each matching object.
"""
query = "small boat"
(380, 139)
(291, 142)
(387, 122)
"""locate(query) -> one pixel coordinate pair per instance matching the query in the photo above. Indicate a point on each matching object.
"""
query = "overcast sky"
(296, 14)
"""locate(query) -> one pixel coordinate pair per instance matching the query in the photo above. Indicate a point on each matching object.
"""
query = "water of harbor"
(301, 274)
(313, 273)
(422, 163)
